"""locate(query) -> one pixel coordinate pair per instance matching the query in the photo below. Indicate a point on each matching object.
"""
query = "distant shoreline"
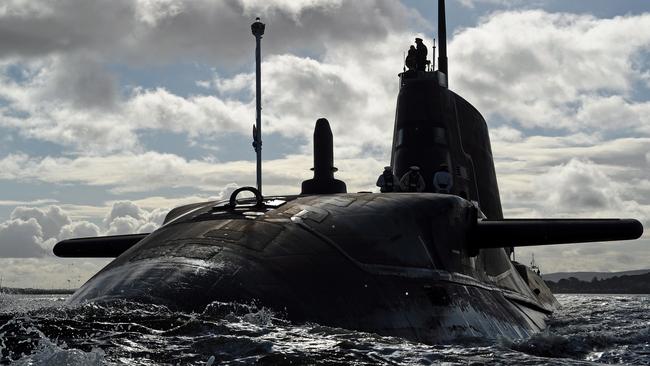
(600, 293)
(588, 276)
(628, 285)
(36, 291)
(597, 294)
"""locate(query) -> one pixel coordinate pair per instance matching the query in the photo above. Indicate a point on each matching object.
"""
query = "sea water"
(42, 330)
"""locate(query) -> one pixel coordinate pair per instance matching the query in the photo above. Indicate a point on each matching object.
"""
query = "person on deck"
(387, 181)
(412, 180)
(442, 180)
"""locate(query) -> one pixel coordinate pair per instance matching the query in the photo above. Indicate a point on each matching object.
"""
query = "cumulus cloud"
(554, 70)
(587, 188)
(572, 175)
(78, 229)
(50, 219)
(126, 217)
(21, 238)
(33, 231)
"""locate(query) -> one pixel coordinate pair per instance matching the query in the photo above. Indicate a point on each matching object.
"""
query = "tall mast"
(442, 39)
(258, 30)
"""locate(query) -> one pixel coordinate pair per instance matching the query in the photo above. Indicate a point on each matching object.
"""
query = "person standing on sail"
(412, 58)
(421, 54)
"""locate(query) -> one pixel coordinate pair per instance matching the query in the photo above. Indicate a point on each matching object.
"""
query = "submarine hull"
(305, 261)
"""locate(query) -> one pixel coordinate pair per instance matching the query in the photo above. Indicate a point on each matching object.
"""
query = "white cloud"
(33, 231)
(151, 12)
(126, 217)
(575, 175)
(556, 71)
(586, 188)
(21, 238)
(124, 209)
(69, 97)
(50, 219)
(37, 202)
(531, 68)
(472, 3)
(79, 229)
(87, 115)
(162, 31)
(149, 171)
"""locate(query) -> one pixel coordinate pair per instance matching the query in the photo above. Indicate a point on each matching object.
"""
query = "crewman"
(421, 51)
(412, 180)
(442, 180)
(411, 58)
(387, 181)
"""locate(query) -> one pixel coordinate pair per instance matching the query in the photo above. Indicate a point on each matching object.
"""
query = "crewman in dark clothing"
(421, 51)
(411, 58)
(387, 181)
(412, 180)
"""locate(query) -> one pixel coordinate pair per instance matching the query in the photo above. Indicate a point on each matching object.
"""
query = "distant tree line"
(635, 284)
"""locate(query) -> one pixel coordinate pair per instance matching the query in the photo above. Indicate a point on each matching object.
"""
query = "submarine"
(424, 265)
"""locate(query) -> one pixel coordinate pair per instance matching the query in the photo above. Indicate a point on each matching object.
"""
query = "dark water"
(40, 330)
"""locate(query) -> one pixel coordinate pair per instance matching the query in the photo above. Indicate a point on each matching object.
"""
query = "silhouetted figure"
(412, 180)
(421, 55)
(411, 58)
(442, 180)
(387, 181)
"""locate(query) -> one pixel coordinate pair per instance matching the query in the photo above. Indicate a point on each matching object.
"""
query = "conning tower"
(435, 126)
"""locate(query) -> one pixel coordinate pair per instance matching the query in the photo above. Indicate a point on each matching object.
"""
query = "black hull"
(287, 260)
(428, 309)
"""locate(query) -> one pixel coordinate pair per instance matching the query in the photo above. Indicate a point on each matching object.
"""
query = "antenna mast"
(433, 56)
(442, 39)
(258, 30)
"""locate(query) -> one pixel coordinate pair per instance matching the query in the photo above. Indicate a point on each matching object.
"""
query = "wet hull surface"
(429, 311)
(357, 261)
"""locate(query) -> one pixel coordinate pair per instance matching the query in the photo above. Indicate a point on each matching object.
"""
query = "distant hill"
(634, 284)
(588, 276)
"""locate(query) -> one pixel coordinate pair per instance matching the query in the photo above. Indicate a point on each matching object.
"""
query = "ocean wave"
(39, 331)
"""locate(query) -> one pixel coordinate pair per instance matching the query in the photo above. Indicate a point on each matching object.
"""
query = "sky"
(114, 112)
